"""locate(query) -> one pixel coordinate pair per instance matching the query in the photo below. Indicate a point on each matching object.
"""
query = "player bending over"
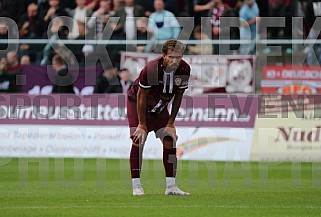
(161, 80)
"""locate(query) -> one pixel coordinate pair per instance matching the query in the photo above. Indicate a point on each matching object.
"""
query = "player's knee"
(137, 142)
(168, 142)
(138, 145)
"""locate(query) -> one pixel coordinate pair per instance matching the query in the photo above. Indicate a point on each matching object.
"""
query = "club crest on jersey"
(178, 81)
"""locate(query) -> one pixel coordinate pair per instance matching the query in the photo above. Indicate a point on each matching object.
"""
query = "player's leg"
(136, 153)
(136, 159)
(170, 165)
(169, 157)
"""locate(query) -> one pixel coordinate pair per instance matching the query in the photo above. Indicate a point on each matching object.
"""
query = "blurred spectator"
(163, 23)
(13, 63)
(125, 80)
(31, 27)
(126, 27)
(201, 9)
(25, 60)
(108, 81)
(56, 32)
(218, 10)
(53, 10)
(99, 18)
(63, 78)
(30, 24)
(8, 82)
(313, 11)
(249, 15)
(200, 49)
(117, 4)
(79, 14)
(81, 35)
(228, 33)
(143, 34)
(9, 68)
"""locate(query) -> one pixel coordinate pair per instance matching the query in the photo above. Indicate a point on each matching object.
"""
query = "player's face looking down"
(172, 60)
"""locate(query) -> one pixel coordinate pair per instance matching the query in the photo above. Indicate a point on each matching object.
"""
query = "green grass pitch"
(100, 187)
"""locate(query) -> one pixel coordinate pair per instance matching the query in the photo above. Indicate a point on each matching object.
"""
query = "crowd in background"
(98, 19)
(93, 17)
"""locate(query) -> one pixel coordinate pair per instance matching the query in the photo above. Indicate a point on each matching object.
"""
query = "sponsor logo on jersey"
(178, 81)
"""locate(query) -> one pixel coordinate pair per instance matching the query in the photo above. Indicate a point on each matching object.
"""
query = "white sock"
(136, 182)
(170, 181)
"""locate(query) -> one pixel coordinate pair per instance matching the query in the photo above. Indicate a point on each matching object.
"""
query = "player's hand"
(170, 130)
(140, 134)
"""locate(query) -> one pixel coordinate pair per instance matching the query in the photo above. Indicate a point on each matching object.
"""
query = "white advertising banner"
(113, 142)
(288, 128)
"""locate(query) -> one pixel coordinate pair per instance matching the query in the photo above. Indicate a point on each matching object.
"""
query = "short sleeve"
(143, 81)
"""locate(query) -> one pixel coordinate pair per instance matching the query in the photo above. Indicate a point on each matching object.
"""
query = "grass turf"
(91, 187)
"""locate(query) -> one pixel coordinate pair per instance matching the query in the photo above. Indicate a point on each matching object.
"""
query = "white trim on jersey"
(144, 86)
(171, 81)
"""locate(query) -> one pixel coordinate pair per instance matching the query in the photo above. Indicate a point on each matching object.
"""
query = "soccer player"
(162, 79)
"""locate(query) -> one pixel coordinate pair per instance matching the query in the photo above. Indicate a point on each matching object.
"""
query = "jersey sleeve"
(143, 81)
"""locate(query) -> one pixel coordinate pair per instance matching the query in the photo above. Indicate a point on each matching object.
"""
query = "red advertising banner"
(291, 80)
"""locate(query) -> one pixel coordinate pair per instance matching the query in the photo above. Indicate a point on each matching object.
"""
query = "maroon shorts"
(155, 122)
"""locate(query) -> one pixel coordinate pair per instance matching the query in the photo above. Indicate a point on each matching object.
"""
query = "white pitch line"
(173, 206)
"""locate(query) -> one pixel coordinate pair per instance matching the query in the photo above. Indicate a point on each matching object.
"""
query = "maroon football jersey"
(163, 85)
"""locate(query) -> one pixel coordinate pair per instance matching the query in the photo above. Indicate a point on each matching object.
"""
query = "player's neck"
(168, 71)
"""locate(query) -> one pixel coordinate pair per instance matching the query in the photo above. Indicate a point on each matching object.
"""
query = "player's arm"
(175, 107)
(170, 128)
(141, 105)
